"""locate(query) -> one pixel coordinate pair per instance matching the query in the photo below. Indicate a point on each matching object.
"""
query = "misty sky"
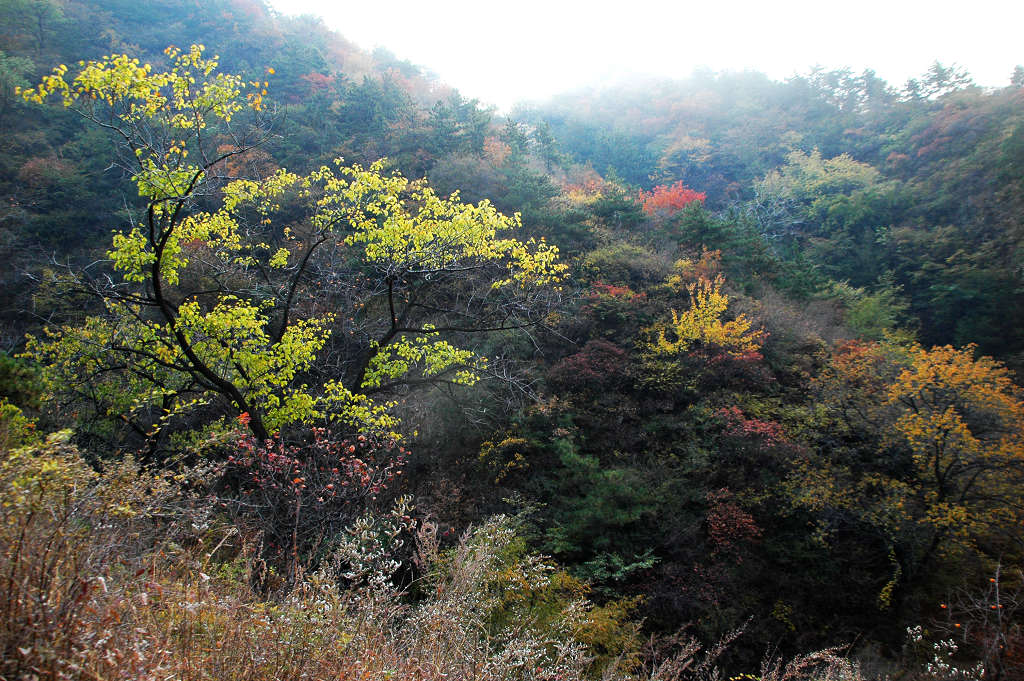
(504, 52)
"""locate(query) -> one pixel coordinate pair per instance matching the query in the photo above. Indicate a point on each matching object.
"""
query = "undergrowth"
(134, 574)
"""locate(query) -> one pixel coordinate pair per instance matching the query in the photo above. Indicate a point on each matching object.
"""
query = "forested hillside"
(912, 189)
(314, 368)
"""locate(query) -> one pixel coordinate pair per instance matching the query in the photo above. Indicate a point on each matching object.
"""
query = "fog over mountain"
(503, 54)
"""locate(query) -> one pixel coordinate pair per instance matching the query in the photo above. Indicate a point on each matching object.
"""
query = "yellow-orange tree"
(699, 341)
(927, 447)
(962, 421)
(702, 323)
(290, 299)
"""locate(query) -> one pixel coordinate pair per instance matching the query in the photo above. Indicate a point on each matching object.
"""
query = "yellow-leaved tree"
(925, 447)
(291, 299)
(703, 322)
(700, 348)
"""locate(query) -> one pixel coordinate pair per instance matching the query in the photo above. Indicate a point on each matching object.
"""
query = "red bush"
(767, 433)
(301, 496)
(598, 365)
(669, 199)
(729, 526)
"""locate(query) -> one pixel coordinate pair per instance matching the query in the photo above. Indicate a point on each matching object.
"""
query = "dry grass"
(122, 575)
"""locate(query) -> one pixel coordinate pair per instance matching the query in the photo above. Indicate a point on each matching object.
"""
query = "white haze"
(506, 52)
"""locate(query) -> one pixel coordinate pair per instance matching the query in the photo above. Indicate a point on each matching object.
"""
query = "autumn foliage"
(302, 496)
(599, 365)
(703, 324)
(789, 427)
(728, 525)
(669, 199)
(939, 461)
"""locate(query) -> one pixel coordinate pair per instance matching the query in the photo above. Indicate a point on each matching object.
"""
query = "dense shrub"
(119, 574)
(302, 497)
